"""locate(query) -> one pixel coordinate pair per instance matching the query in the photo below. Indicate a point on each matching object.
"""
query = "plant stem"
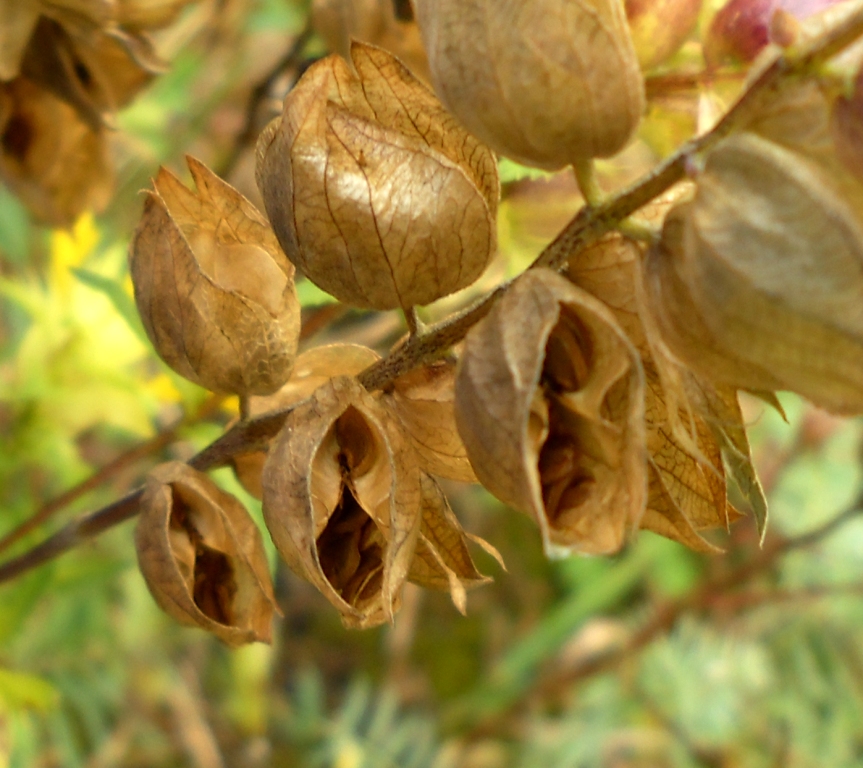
(588, 226)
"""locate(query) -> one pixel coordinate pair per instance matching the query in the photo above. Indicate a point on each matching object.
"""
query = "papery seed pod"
(442, 560)
(53, 160)
(690, 425)
(758, 283)
(846, 127)
(660, 27)
(374, 191)
(422, 402)
(550, 405)
(547, 83)
(148, 14)
(312, 368)
(214, 290)
(203, 557)
(342, 501)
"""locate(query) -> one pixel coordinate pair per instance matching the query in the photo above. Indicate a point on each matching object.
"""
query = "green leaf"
(19, 690)
(116, 294)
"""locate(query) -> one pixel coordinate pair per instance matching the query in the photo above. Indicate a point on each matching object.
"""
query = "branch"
(588, 226)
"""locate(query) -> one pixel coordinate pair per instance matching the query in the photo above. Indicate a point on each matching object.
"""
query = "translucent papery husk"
(758, 283)
(203, 557)
(548, 82)
(691, 425)
(550, 405)
(375, 192)
(215, 292)
(54, 161)
(422, 402)
(341, 495)
(312, 368)
(442, 560)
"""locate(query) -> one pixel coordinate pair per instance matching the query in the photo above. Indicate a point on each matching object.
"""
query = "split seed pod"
(214, 290)
(548, 82)
(758, 282)
(203, 557)
(550, 405)
(342, 501)
(374, 191)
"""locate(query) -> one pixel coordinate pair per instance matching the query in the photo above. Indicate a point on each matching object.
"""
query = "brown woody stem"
(588, 225)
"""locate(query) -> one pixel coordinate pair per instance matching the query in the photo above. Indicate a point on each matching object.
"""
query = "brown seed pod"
(214, 290)
(203, 556)
(341, 496)
(374, 191)
(550, 405)
(548, 83)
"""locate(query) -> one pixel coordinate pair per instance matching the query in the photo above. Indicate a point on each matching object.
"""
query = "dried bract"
(422, 402)
(758, 282)
(342, 501)
(550, 405)
(203, 556)
(442, 560)
(547, 83)
(374, 191)
(215, 293)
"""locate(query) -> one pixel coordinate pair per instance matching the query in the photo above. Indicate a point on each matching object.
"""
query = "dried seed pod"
(758, 283)
(550, 405)
(422, 402)
(215, 292)
(547, 83)
(342, 501)
(53, 160)
(442, 560)
(312, 368)
(374, 191)
(203, 557)
(690, 424)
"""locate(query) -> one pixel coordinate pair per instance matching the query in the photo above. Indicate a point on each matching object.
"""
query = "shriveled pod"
(214, 290)
(312, 368)
(548, 82)
(203, 557)
(550, 405)
(375, 192)
(341, 497)
(758, 283)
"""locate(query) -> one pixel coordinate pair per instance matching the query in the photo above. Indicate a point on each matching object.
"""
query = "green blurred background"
(656, 657)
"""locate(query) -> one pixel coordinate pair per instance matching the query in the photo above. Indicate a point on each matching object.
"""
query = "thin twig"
(588, 226)
(251, 128)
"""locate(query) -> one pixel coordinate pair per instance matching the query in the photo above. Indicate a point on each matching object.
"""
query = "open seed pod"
(550, 405)
(691, 425)
(214, 290)
(547, 83)
(758, 283)
(312, 368)
(375, 192)
(203, 556)
(342, 501)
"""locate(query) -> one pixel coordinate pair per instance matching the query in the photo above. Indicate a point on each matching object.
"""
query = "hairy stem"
(588, 226)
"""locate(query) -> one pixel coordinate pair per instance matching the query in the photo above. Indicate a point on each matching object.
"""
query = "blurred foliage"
(93, 675)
